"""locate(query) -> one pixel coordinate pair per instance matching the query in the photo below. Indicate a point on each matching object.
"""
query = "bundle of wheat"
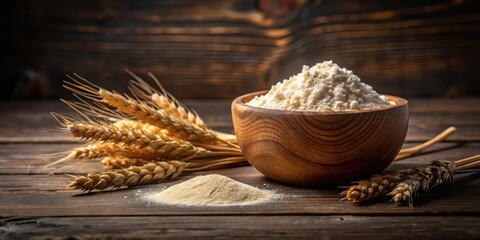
(406, 184)
(143, 138)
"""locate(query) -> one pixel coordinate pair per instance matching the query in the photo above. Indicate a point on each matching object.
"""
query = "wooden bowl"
(312, 148)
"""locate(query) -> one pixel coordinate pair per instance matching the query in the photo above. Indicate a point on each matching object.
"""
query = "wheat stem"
(216, 164)
(407, 152)
(220, 148)
(224, 154)
(470, 166)
(460, 164)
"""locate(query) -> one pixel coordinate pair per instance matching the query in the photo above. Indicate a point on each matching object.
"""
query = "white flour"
(324, 87)
(212, 190)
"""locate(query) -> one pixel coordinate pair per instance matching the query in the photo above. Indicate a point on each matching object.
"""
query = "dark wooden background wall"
(221, 49)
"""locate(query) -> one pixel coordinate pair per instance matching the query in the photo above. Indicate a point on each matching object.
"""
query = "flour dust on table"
(212, 190)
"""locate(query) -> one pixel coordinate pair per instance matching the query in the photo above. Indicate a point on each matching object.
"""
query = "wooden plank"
(47, 200)
(46, 195)
(225, 48)
(32, 158)
(240, 227)
(31, 122)
(444, 105)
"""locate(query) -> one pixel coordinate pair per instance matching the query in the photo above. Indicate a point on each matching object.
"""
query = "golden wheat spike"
(118, 162)
(132, 176)
(163, 99)
(179, 128)
(170, 148)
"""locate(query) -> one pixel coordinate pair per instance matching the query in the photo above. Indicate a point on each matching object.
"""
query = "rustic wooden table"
(34, 204)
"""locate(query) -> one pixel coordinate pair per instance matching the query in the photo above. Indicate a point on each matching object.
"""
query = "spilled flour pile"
(324, 87)
(212, 190)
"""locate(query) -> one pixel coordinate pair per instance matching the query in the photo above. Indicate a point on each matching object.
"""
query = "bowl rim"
(400, 102)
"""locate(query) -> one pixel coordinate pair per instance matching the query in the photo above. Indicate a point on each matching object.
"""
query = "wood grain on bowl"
(310, 148)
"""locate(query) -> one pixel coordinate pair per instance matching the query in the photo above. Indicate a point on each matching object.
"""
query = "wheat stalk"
(375, 187)
(122, 162)
(406, 184)
(146, 173)
(408, 152)
(135, 145)
(101, 150)
(202, 165)
(136, 140)
(168, 147)
(163, 99)
(142, 111)
(95, 150)
(128, 125)
(132, 176)
(472, 162)
(151, 133)
(148, 128)
(98, 150)
(157, 117)
(422, 179)
(380, 185)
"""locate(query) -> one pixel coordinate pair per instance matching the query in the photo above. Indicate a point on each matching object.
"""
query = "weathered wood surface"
(205, 49)
(46, 195)
(34, 204)
(32, 122)
(241, 227)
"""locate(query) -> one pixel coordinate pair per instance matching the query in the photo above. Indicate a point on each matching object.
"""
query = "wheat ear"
(163, 99)
(101, 150)
(98, 150)
(403, 185)
(136, 143)
(375, 187)
(142, 111)
(406, 184)
(422, 179)
(110, 149)
(168, 147)
(132, 176)
(158, 117)
(122, 162)
(150, 129)
(131, 124)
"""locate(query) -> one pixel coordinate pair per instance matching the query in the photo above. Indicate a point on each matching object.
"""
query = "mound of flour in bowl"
(212, 190)
(324, 87)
